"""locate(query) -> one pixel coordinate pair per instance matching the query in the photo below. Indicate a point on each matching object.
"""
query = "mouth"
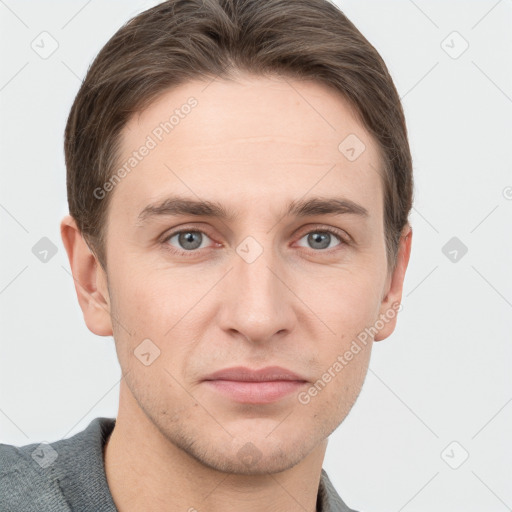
(263, 386)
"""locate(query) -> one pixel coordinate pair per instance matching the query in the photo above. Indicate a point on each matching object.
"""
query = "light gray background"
(443, 376)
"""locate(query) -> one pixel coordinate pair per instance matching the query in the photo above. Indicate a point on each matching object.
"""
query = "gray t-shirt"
(69, 475)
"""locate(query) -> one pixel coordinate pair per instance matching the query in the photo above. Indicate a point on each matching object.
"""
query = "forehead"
(255, 137)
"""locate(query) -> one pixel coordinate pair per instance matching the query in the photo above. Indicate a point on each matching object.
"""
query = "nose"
(257, 303)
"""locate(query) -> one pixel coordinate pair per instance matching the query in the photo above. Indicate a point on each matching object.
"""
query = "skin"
(253, 144)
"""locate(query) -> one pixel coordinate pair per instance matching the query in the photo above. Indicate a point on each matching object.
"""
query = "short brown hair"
(182, 40)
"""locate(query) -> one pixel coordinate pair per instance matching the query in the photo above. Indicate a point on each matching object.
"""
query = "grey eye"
(320, 239)
(189, 240)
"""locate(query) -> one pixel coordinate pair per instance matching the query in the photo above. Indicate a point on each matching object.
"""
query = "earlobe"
(89, 279)
(391, 303)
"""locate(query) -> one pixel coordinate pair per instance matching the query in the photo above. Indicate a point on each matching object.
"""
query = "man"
(239, 184)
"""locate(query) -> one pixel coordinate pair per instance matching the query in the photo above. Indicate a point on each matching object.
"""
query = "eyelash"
(194, 252)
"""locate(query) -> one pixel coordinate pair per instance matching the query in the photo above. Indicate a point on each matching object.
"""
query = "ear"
(89, 278)
(391, 303)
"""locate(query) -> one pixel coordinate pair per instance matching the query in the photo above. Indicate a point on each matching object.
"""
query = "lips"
(263, 386)
(244, 374)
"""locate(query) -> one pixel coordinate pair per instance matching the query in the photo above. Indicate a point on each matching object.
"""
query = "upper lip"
(242, 373)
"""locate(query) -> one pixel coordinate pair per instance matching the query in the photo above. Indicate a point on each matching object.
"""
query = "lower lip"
(256, 392)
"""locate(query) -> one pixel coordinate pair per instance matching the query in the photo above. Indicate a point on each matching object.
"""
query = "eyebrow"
(178, 206)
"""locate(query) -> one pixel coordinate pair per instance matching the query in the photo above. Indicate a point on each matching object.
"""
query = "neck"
(145, 471)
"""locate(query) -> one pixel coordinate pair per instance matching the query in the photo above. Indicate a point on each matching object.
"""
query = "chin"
(249, 460)
(253, 455)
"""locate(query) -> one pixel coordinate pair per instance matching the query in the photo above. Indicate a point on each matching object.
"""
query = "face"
(267, 283)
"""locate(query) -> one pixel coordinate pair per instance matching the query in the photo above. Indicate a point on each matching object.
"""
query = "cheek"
(152, 305)
(348, 310)
(328, 401)
(138, 312)
(145, 297)
(350, 305)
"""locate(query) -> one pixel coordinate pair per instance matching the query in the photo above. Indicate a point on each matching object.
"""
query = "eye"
(320, 239)
(187, 240)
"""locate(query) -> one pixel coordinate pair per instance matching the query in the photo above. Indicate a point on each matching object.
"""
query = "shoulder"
(35, 476)
(328, 498)
(25, 485)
